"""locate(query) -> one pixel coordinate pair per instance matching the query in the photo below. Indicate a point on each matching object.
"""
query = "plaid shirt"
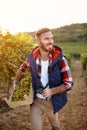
(65, 70)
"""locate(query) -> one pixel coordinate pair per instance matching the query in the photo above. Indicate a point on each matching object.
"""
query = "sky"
(30, 15)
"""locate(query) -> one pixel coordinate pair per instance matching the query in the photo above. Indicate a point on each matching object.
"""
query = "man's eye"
(46, 38)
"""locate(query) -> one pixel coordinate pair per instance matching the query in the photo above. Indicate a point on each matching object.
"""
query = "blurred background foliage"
(13, 52)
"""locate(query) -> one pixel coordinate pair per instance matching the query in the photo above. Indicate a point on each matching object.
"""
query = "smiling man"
(51, 79)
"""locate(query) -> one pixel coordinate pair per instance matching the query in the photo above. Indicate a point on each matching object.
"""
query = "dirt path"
(72, 117)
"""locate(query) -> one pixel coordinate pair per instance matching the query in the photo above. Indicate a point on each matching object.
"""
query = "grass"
(73, 47)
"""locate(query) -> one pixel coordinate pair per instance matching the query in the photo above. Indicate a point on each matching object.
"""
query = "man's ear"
(38, 40)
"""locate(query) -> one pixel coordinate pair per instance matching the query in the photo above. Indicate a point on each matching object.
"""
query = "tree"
(13, 51)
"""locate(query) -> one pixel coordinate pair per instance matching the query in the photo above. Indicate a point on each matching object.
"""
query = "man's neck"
(44, 55)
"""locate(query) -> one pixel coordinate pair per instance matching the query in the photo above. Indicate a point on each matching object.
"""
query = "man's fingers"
(46, 92)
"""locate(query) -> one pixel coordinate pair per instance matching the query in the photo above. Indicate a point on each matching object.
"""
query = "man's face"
(46, 41)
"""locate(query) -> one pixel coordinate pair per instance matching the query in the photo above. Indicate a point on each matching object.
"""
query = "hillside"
(69, 33)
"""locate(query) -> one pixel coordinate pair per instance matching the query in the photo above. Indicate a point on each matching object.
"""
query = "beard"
(47, 47)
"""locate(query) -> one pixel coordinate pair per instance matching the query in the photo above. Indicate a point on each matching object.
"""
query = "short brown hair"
(40, 31)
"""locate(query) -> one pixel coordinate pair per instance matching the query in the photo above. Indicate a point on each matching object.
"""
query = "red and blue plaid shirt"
(65, 70)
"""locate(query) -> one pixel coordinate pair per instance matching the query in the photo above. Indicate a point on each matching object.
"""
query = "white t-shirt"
(44, 75)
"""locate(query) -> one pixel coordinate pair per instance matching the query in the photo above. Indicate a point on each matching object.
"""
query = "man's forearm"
(47, 92)
(18, 76)
(58, 90)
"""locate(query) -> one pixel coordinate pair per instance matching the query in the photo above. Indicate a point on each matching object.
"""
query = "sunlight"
(29, 15)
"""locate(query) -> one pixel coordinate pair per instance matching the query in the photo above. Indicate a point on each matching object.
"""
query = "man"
(51, 78)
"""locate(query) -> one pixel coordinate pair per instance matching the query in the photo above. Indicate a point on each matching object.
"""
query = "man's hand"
(11, 91)
(14, 86)
(47, 92)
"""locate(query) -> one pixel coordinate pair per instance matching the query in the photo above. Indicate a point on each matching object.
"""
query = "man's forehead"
(46, 34)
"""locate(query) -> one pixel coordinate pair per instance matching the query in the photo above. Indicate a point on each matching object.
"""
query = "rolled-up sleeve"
(66, 74)
(24, 65)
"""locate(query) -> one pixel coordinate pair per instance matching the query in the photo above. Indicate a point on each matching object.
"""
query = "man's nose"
(51, 40)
